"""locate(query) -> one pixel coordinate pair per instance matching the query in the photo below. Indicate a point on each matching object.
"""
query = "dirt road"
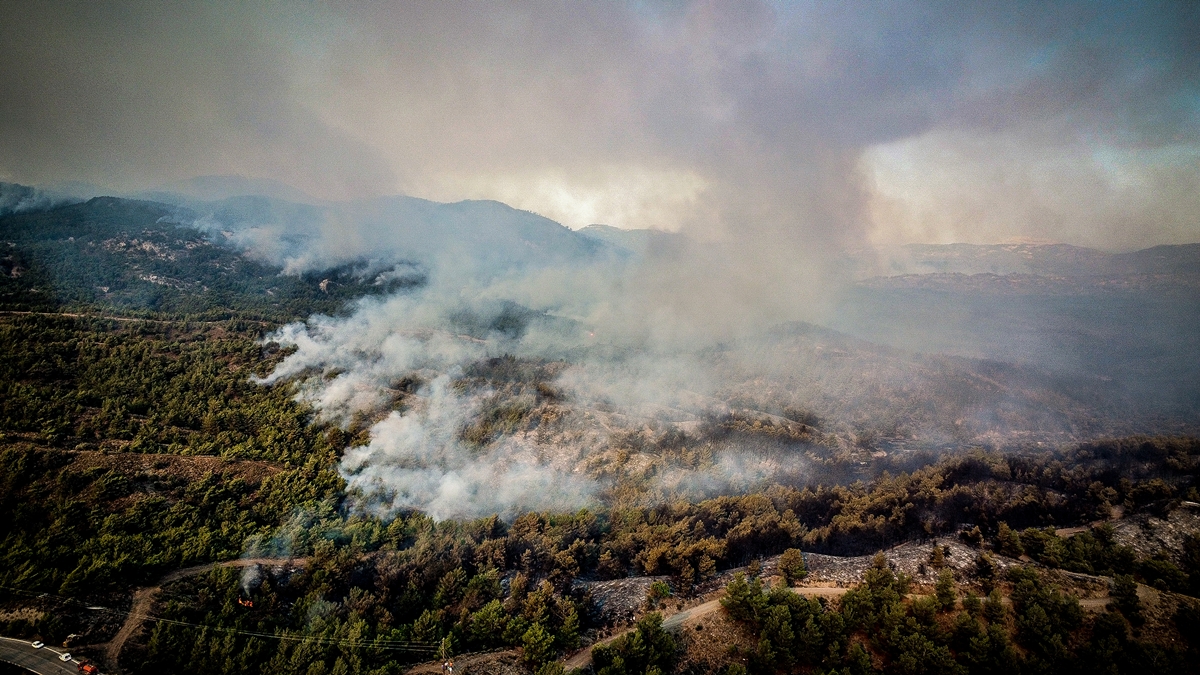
(583, 657)
(143, 598)
(675, 621)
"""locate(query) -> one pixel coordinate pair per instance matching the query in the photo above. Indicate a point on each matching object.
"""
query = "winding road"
(143, 598)
(44, 661)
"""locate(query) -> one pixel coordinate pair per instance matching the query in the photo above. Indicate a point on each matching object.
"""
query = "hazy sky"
(799, 125)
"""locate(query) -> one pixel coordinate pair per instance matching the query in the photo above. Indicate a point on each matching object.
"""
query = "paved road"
(43, 661)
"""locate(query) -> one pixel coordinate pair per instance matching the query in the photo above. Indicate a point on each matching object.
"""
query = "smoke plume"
(773, 139)
(583, 375)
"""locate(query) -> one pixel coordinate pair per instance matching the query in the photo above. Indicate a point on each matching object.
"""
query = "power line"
(386, 645)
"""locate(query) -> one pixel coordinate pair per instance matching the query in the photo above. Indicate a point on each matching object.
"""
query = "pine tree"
(993, 607)
(744, 600)
(791, 565)
(937, 558)
(1125, 598)
(538, 645)
(946, 596)
(1008, 543)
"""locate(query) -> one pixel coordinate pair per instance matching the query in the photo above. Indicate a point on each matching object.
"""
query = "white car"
(65, 656)
(37, 644)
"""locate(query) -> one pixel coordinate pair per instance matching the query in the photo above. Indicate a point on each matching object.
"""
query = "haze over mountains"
(342, 336)
(480, 345)
(1128, 317)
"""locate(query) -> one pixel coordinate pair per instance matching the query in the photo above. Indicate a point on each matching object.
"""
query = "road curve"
(43, 661)
(143, 598)
(672, 622)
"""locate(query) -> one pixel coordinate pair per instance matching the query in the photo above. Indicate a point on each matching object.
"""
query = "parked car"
(37, 644)
(65, 656)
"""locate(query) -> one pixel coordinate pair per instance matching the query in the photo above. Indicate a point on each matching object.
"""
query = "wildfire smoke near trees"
(713, 337)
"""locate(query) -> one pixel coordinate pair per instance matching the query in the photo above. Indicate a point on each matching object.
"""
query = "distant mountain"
(639, 242)
(263, 256)
(478, 239)
(1037, 269)
(284, 226)
(1060, 260)
(1179, 260)
(216, 188)
(493, 234)
(1128, 317)
(126, 255)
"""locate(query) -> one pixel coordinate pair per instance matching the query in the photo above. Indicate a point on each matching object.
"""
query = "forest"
(1042, 631)
(132, 446)
(377, 593)
(146, 259)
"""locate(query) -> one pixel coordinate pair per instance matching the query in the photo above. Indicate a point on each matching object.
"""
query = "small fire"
(245, 603)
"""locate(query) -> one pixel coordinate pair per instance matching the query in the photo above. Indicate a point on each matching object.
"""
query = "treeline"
(875, 629)
(375, 596)
(75, 384)
(690, 542)
(152, 387)
(71, 384)
(84, 533)
(485, 583)
(126, 256)
(985, 490)
(1097, 552)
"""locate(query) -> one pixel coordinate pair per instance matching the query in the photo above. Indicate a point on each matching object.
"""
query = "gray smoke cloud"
(633, 366)
(348, 368)
(774, 137)
(797, 128)
(625, 331)
(21, 198)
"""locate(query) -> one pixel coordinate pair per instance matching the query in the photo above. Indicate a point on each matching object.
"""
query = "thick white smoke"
(629, 348)
(349, 368)
(415, 460)
(628, 342)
